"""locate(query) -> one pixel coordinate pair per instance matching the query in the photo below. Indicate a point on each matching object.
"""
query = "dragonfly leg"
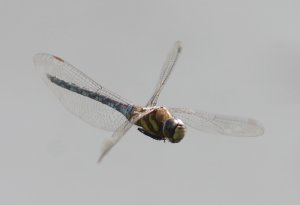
(150, 135)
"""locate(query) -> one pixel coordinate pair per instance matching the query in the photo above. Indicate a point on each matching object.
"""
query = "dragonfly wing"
(114, 139)
(222, 124)
(165, 72)
(89, 110)
(119, 133)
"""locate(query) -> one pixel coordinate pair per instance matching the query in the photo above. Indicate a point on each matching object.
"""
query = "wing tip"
(39, 57)
(100, 159)
(257, 127)
(58, 58)
(178, 44)
(248, 128)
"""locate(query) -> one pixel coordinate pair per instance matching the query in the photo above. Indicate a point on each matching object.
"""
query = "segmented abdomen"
(125, 109)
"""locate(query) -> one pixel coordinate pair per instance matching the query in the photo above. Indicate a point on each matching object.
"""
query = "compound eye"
(170, 124)
(169, 127)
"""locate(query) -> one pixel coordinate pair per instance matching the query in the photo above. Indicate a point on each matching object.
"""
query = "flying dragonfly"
(104, 109)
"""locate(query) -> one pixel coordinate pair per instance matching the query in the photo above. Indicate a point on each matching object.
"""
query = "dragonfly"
(106, 110)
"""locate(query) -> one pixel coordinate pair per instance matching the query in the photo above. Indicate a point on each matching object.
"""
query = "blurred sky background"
(239, 58)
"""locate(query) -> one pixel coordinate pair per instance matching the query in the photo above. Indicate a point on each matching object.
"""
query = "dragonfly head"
(174, 130)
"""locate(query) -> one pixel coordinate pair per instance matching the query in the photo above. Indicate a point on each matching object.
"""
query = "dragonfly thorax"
(160, 124)
(174, 130)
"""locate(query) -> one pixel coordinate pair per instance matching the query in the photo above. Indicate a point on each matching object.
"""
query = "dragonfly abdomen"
(124, 109)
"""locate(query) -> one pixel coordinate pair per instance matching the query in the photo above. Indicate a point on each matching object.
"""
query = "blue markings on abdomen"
(125, 109)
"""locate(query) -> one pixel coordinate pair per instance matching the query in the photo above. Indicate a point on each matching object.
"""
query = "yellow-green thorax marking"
(161, 125)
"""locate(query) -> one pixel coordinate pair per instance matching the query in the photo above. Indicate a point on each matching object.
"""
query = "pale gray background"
(239, 58)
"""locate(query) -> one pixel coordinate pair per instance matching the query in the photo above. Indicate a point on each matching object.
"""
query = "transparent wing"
(114, 139)
(119, 133)
(222, 124)
(165, 72)
(91, 111)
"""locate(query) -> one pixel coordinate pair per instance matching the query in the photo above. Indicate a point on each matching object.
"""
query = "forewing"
(165, 72)
(222, 124)
(91, 111)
